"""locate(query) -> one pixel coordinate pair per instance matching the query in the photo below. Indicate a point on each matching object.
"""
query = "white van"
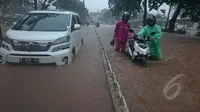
(43, 37)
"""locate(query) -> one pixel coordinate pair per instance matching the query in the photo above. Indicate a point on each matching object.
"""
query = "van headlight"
(7, 39)
(61, 40)
(60, 48)
(5, 46)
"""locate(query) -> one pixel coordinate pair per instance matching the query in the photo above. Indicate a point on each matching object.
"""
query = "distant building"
(95, 15)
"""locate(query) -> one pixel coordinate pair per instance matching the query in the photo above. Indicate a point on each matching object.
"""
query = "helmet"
(151, 20)
(125, 14)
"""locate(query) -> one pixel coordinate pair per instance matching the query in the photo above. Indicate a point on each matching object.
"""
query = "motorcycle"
(97, 24)
(87, 24)
(138, 49)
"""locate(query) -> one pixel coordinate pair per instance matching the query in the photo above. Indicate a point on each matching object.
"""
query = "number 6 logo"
(170, 85)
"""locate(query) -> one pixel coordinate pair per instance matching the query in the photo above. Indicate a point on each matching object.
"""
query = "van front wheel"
(82, 41)
(73, 54)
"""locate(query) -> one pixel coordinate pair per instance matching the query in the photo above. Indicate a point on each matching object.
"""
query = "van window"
(43, 22)
(73, 20)
(78, 20)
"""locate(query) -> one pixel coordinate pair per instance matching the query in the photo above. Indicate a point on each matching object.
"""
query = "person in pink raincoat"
(121, 33)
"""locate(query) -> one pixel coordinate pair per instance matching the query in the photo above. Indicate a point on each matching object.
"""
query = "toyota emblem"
(29, 45)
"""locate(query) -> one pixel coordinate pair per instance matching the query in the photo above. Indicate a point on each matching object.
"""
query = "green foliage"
(135, 24)
(163, 11)
(193, 12)
(117, 6)
(46, 4)
(181, 31)
(191, 9)
(8, 6)
(73, 5)
(106, 13)
(23, 3)
(107, 16)
(198, 34)
(198, 27)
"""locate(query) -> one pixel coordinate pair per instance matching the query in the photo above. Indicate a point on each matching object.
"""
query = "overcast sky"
(94, 5)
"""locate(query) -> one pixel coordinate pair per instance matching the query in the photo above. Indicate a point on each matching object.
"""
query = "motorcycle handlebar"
(141, 39)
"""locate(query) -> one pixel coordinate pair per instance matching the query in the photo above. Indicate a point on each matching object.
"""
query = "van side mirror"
(77, 27)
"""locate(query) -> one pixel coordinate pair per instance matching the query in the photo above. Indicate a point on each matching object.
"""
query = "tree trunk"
(173, 20)
(74, 3)
(44, 5)
(35, 4)
(167, 22)
(198, 27)
(145, 12)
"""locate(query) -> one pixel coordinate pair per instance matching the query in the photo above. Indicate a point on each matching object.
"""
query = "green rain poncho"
(155, 50)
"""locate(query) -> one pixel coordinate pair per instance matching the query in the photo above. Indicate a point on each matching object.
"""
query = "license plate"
(29, 60)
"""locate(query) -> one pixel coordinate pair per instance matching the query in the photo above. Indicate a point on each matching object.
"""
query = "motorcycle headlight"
(6, 39)
(139, 51)
(62, 40)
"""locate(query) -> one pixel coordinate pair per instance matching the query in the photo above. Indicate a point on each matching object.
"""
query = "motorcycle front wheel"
(144, 62)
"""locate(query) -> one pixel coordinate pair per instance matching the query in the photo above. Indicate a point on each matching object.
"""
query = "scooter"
(97, 24)
(87, 24)
(138, 49)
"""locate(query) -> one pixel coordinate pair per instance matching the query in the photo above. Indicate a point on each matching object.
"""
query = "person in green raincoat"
(153, 32)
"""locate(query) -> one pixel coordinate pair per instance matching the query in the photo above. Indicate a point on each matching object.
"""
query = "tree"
(181, 4)
(145, 12)
(192, 12)
(107, 16)
(117, 6)
(73, 5)
(163, 11)
(44, 3)
(169, 12)
(7, 5)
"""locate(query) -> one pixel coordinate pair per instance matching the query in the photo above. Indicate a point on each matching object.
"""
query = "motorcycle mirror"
(131, 30)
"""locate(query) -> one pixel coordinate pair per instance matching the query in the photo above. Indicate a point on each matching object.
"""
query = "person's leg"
(123, 47)
(117, 46)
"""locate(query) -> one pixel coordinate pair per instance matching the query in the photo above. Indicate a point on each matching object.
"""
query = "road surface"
(79, 87)
(143, 88)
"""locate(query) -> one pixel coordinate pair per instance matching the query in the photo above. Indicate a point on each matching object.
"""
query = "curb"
(118, 99)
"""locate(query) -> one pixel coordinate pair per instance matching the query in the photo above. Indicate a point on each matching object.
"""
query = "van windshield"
(43, 22)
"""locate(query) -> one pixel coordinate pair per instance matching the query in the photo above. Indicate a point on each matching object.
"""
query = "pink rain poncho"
(121, 34)
(121, 31)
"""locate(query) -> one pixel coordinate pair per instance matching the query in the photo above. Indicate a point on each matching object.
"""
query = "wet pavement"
(148, 89)
(78, 87)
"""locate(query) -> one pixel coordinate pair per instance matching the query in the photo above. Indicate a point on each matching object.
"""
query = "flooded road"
(168, 86)
(78, 87)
